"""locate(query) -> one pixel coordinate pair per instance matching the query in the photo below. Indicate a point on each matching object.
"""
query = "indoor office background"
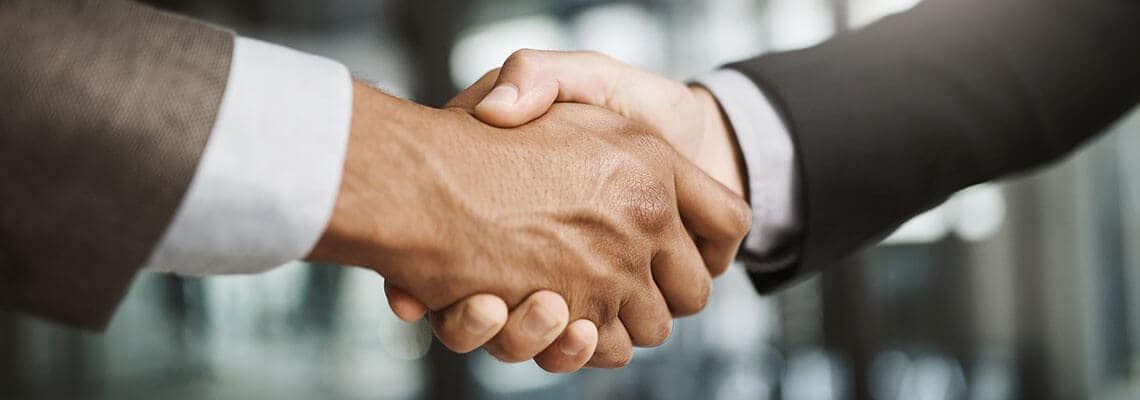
(1025, 289)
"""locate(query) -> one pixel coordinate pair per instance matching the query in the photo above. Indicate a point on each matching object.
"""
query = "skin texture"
(687, 117)
(531, 81)
(581, 204)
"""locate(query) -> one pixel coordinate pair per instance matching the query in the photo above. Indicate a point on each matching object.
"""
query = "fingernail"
(571, 347)
(537, 324)
(505, 94)
(475, 322)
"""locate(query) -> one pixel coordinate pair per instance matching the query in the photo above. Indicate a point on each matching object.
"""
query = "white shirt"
(270, 173)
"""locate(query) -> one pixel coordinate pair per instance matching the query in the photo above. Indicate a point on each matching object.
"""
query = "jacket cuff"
(268, 179)
(773, 178)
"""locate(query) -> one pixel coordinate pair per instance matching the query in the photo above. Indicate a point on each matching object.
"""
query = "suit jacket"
(892, 119)
(107, 106)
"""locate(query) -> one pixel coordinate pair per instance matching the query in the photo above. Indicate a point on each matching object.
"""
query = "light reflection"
(500, 378)
(627, 32)
(814, 375)
(482, 48)
(974, 214)
(864, 12)
(796, 24)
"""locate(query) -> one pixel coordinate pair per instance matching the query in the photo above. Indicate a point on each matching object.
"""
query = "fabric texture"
(270, 174)
(890, 120)
(107, 106)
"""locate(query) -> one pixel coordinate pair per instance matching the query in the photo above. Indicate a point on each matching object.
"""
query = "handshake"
(579, 232)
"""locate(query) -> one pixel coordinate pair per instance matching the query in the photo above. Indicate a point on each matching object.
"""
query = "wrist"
(378, 215)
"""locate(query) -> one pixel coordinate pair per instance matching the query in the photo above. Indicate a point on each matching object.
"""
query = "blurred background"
(1027, 289)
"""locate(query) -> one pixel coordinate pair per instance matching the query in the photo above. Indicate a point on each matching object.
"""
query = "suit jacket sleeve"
(106, 107)
(890, 120)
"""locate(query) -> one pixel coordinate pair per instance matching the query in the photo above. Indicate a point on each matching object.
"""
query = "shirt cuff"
(269, 176)
(773, 176)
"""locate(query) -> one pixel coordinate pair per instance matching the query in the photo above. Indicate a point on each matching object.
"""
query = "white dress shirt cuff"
(773, 177)
(269, 175)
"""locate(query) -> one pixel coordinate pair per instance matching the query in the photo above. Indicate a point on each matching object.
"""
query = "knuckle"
(458, 341)
(647, 204)
(549, 303)
(523, 57)
(695, 301)
(704, 293)
(741, 218)
(718, 269)
(611, 361)
(656, 334)
(734, 223)
(444, 292)
(605, 309)
(623, 359)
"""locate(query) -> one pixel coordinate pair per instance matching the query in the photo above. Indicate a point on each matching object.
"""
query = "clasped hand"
(575, 214)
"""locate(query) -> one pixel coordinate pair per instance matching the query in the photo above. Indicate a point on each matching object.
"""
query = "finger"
(531, 327)
(406, 307)
(713, 213)
(469, 324)
(572, 350)
(472, 95)
(532, 80)
(682, 277)
(615, 350)
(647, 319)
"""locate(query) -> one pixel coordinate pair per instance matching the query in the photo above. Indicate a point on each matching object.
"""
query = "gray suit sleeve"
(890, 120)
(107, 106)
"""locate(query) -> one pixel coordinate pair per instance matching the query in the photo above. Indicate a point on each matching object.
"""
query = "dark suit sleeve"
(105, 108)
(890, 120)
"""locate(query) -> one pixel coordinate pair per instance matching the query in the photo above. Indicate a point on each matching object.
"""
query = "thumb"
(530, 81)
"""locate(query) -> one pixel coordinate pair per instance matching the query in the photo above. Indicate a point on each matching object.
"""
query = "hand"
(687, 117)
(531, 81)
(580, 202)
